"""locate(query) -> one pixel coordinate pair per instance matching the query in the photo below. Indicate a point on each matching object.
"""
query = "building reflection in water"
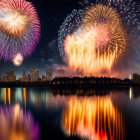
(17, 125)
(93, 118)
(130, 93)
(13, 96)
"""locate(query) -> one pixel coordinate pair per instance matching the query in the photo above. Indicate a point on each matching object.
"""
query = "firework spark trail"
(70, 25)
(19, 28)
(129, 11)
(83, 54)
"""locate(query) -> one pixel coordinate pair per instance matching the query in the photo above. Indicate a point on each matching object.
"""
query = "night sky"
(51, 13)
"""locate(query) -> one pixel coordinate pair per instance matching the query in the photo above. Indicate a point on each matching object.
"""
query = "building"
(61, 73)
(43, 78)
(34, 73)
(136, 78)
(24, 77)
(49, 74)
(9, 77)
(29, 78)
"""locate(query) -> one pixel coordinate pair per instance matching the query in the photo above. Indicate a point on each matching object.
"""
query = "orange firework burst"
(98, 43)
(110, 25)
(95, 119)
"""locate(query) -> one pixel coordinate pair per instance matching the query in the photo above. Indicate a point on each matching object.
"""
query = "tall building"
(29, 77)
(34, 73)
(24, 76)
(43, 78)
(136, 78)
(61, 73)
(9, 77)
(49, 74)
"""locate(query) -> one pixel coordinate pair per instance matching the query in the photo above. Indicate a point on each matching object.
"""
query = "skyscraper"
(24, 76)
(49, 74)
(34, 75)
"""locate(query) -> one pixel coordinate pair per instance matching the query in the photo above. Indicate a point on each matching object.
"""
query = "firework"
(119, 22)
(17, 60)
(93, 119)
(110, 29)
(82, 52)
(19, 28)
(129, 11)
(100, 42)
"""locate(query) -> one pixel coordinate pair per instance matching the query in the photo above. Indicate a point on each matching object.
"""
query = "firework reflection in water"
(17, 125)
(95, 119)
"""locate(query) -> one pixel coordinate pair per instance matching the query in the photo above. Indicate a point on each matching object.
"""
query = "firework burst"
(110, 28)
(129, 11)
(116, 24)
(19, 28)
(98, 43)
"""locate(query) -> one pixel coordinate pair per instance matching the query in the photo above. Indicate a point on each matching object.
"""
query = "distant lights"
(130, 76)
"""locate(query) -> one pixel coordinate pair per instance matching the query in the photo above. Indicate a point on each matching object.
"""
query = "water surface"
(42, 114)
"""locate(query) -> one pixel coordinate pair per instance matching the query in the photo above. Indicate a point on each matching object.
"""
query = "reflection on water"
(93, 118)
(15, 124)
(130, 93)
(60, 114)
(18, 95)
(21, 95)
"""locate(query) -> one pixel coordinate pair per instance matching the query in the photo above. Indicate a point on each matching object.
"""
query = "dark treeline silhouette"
(88, 82)
(75, 82)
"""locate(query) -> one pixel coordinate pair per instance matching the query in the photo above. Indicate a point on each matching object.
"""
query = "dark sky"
(51, 14)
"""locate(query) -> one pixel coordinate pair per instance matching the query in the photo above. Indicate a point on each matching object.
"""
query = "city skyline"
(35, 75)
(32, 76)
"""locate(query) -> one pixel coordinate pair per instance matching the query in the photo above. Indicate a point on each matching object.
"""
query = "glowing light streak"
(9, 95)
(130, 93)
(4, 95)
(24, 95)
